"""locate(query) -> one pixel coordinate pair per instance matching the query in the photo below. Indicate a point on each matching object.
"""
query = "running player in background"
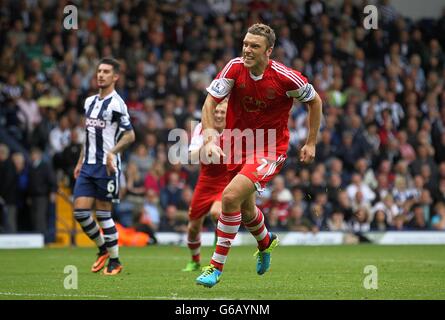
(261, 96)
(108, 132)
(208, 192)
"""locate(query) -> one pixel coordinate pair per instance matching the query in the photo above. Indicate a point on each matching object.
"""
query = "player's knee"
(83, 203)
(103, 205)
(193, 228)
(230, 197)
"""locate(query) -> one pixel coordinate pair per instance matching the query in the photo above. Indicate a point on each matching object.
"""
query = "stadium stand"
(381, 156)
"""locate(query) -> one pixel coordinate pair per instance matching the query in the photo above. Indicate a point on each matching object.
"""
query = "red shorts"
(206, 192)
(261, 172)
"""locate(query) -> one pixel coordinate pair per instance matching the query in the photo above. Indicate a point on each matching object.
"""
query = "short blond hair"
(260, 29)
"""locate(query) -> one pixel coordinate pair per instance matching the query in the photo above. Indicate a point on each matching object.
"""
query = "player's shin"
(90, 227)
(259, 230)
(194, 244)
(227, 228)
(110, 232)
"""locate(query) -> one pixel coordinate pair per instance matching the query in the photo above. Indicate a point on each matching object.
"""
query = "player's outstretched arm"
(127, 138)
(307, 153)
(208, 128)
(194, 156)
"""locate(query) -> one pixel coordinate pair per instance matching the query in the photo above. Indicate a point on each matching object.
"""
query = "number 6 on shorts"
(110, 186)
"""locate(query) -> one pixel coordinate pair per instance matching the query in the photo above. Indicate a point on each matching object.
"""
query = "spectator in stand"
(291, 178)
(297, 221)
(135, 184)
(21, 176)
(69, 156)
(298, 199)
(336, 222)
(389, 207)
(283, 196)
(357, 185)
(406, 150)
(186, 199)
(403, 196)
(273, 220)
(425, 203)
(333, 188)
(379, 223)
(149, 113)
(417, 222)
(325, 149)
(29, 113)
(42, 189)
(372, 139)
(359, 201)
(317, 185)
(59, 139)
(173, 221)
(275, 211)
(369, 179)
(398, 223)
(321, 199)
(8, 190)
(344, 205)
(171, 193)
(359, 222)
(317, 217)
(438, 220)
(143, 223)
(142, 159)
(151, 209)
(421, 159)
(153, 178)
(349, 152)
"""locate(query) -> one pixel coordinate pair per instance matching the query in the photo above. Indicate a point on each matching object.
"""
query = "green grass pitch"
(297, 272)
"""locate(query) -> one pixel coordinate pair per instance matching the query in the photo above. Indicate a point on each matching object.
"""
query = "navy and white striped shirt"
(106, 119)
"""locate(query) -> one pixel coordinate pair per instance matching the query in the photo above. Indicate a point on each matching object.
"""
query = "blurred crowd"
(380, 161)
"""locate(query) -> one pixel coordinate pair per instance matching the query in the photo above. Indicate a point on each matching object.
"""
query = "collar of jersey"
(257, 78)
(254, 77)
(107, 96)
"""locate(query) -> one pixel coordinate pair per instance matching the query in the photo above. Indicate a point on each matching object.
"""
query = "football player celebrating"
(261, 96)
(208, 192)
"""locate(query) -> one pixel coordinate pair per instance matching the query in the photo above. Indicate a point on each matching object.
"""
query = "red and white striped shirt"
(261, 102)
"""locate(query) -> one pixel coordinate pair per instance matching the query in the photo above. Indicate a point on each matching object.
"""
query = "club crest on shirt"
(252, 105)
(270, 93)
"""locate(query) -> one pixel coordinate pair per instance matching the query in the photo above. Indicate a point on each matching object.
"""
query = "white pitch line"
(175, 298)
(103, 296)
(52, 295)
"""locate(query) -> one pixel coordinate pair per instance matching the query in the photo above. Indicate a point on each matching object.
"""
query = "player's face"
(220, 116)
(255, 51)
(106, 76)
